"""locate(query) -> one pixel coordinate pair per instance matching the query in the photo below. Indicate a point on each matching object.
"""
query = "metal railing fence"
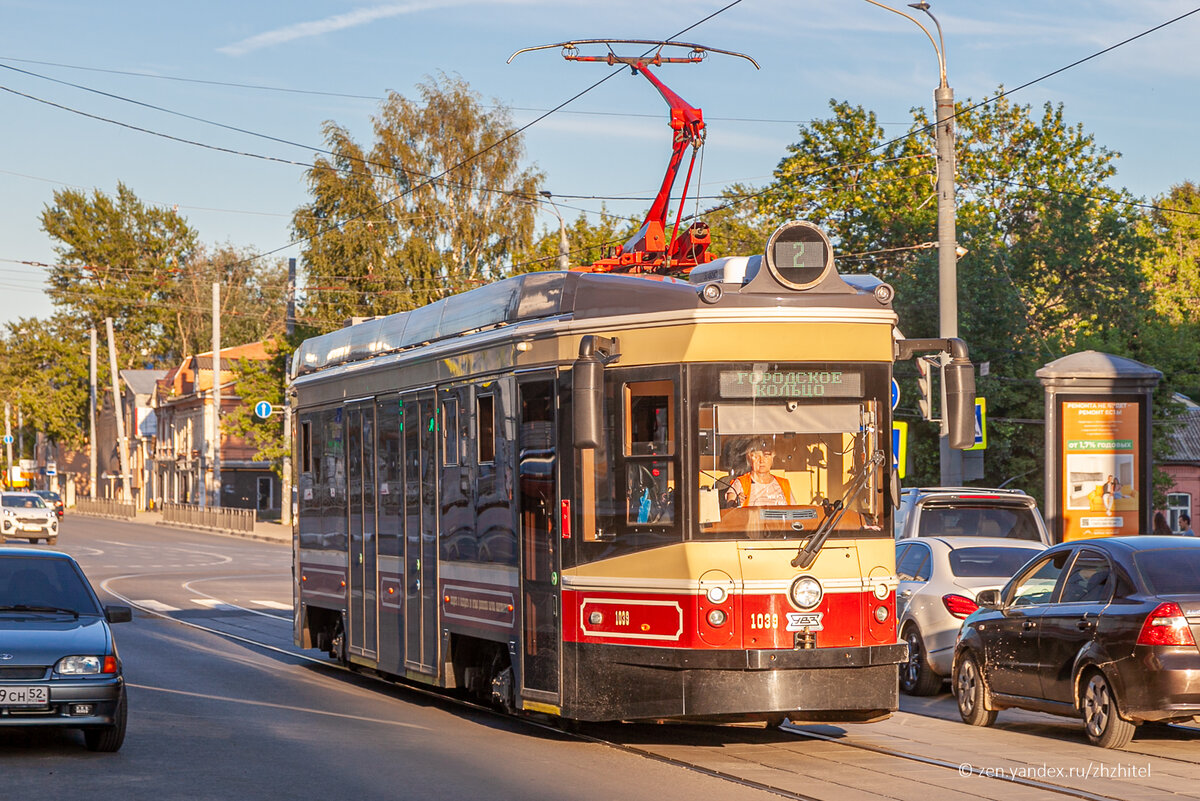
(224, 519)
(106, 507)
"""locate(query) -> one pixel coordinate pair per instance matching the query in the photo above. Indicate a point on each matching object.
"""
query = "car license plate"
(24, 696)
(31, 527)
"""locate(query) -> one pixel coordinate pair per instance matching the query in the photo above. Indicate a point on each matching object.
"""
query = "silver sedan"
(939, 578)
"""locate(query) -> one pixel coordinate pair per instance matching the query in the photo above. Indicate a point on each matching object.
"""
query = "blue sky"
(339, 57)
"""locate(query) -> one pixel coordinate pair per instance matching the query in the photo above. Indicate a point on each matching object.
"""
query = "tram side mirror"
(587, 400)
(895, 488)
(959, 378)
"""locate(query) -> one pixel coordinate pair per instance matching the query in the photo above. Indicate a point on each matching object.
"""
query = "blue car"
(59, 665)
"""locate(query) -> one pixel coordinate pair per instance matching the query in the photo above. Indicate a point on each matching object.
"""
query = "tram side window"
(486, 415)
(450, 432)
(649, 448)
(306, 446)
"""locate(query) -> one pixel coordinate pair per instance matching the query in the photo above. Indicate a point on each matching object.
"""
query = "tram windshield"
(783, 447)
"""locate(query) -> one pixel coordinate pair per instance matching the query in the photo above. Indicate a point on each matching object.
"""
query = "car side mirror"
(118, 614)
(989, 599)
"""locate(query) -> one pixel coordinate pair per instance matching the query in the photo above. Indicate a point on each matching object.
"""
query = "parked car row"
(1101, 629)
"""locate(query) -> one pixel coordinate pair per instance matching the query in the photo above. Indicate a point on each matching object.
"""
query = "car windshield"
(978, 520)
(1170, 571)
(23, 502)
(43, 581)
(989, 561)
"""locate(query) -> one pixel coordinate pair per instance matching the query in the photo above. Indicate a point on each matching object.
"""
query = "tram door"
(420, 530)
(538, 474)
(363, 564)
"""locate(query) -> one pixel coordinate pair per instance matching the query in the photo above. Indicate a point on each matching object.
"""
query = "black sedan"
(1105, 629)
(58, 662)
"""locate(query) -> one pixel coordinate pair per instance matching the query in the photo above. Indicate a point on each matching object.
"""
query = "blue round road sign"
(263, 409)
(895, 394)
(8, 439)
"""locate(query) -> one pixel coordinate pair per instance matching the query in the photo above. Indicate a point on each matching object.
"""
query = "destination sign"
(791, 384)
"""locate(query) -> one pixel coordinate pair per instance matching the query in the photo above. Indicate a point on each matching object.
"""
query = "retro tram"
(656, 488)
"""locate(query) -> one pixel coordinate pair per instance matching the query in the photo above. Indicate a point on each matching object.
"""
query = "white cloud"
(338, 22)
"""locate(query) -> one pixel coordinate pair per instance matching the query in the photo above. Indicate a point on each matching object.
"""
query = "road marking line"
(213, 603)
(274, 605)
(157, 606)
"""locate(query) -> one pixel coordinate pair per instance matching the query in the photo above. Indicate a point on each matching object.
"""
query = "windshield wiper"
(807, 553)
(29, 608)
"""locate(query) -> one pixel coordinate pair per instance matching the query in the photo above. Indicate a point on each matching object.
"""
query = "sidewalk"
(263, 530)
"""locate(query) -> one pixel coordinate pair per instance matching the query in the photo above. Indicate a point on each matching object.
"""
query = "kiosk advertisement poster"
(1101, 443)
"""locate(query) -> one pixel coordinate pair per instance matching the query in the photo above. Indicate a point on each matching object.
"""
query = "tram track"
(578, 731)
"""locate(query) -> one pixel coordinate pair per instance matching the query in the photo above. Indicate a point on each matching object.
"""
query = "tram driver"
(760, 487)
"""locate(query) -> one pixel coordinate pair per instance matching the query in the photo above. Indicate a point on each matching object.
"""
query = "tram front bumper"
(820, 684)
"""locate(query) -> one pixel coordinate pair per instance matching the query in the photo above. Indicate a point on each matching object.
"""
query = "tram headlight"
(716, 617)
(881, 614)
(711, 293)
(716, 595)
(884, 293)
(805, 592)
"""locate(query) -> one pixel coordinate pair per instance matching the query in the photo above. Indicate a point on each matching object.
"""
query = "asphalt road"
(215, 718)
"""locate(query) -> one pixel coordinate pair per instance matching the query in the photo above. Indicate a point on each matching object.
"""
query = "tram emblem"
(804, 621)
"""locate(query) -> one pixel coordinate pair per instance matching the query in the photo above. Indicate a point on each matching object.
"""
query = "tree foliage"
(44, 371)
(1054, 255)
(118, 258)
(387, 231)
(259, 380)
(587, 241)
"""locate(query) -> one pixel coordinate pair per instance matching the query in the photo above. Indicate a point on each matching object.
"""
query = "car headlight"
(86, 665)
(805, 592)
(10, 512)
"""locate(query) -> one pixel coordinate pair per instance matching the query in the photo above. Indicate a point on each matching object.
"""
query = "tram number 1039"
(764, 620)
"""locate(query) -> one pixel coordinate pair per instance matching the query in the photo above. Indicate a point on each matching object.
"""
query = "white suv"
(969, 512)
(26, 515)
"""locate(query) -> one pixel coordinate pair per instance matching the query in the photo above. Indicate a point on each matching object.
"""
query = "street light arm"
(939, 51)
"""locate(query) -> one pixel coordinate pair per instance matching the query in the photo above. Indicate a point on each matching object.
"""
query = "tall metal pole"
(291, 298)
(119, 412)
(564, 248)
(285, 508)
(216, 346)
(92, 424)
(8, 442)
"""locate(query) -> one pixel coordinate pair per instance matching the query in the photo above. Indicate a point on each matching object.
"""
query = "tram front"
(733, 555)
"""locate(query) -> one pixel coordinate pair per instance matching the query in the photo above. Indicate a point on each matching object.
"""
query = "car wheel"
(52, 541)
(1104, 726)
(110, 738)
(916, 678)
(969, 690)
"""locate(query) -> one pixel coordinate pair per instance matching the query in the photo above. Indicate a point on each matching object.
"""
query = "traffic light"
(924, 388)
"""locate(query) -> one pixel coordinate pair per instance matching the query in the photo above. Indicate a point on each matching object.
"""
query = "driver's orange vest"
(745, 482)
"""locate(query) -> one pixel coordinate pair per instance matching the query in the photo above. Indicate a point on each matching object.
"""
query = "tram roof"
(573, 295)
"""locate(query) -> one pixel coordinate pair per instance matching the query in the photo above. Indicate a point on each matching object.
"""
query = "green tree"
(586, 241)
(385, 233)
(118, 258)
(1054, 253)
(253, 299)
(44, 371)
(262, 380)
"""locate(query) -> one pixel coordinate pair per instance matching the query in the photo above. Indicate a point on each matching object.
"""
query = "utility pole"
(291, 298)
(943, 99)
(8, 441)
(20, 435)
(285, 503)
(216, 346)
(92, 424)
(119, 412)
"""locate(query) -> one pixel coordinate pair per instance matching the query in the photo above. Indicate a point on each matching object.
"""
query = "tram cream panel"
(783, 341)
(762, 566)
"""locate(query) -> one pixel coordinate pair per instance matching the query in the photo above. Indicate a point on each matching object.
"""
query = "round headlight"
(716, 617)
(711, 293)
(881, 614)
(716, 595)
(805, 592)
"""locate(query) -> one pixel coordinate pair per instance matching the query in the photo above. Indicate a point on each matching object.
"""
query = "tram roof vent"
(727, 270)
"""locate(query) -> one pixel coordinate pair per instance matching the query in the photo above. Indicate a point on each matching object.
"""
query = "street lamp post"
(563, 248)
(943, 98)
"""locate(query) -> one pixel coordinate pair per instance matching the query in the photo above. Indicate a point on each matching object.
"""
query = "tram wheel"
(916, 677)
(970, 692)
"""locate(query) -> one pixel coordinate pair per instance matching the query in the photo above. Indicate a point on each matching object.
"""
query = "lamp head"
(919, 6)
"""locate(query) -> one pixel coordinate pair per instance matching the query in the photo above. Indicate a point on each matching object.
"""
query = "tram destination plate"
(24, 696)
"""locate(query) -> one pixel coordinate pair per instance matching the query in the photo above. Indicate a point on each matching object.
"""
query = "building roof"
(141, 382)
(1184, 441)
